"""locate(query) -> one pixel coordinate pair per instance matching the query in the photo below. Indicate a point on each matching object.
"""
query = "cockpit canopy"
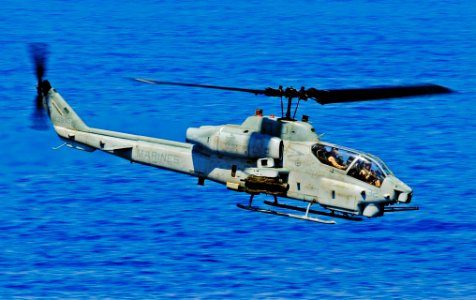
(364, 167)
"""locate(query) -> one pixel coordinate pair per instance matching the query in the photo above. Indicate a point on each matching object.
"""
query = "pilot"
(367, 174)
(333, 159)
(320, 152)
(315, 148)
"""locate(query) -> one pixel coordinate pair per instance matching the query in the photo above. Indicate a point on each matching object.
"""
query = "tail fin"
(59, 111)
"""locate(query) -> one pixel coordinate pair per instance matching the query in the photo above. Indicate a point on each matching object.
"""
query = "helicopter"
(278, 156)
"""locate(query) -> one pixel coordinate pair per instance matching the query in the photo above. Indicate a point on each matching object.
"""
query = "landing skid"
(278, 213)
(273, 212)
(317, 212)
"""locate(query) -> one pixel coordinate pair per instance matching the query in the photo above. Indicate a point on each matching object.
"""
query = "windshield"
(381, 163)
(368, 171)
(333, 156)
(365, 167)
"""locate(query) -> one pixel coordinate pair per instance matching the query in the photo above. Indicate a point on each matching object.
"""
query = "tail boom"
(155, 152)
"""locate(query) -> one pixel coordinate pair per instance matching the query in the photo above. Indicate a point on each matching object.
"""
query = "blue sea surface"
(77, 225)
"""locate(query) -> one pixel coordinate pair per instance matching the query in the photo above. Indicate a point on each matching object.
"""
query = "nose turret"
(395, 189)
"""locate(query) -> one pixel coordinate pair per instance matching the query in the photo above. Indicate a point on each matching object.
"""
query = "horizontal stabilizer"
(117, 148)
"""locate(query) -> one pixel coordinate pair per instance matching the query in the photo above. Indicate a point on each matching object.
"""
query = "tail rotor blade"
(38, 116)
(39, 55)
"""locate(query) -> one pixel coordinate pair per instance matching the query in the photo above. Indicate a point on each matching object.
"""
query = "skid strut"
(316, 212)
(306, 216)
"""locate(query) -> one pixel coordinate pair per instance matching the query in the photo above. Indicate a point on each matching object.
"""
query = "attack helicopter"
(278, 156)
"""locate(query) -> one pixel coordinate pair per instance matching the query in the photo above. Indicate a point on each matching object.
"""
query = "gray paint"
(278, 151)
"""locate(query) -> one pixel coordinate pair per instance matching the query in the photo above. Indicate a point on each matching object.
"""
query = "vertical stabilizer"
(59, 111)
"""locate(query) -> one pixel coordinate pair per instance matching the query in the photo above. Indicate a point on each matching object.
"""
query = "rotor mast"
(290, 93)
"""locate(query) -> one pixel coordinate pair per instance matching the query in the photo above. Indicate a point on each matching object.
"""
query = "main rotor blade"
(326, 96)
(226, 88)
(375, 93)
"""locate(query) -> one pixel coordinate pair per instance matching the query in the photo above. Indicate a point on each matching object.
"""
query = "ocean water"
(76, 225)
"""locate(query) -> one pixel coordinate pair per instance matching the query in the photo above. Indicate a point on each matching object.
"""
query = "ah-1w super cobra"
(282, 157)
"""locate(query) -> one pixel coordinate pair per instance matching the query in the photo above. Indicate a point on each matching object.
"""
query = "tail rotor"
(39, 55)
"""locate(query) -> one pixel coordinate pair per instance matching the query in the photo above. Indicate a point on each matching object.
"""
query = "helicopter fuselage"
(265, 155)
